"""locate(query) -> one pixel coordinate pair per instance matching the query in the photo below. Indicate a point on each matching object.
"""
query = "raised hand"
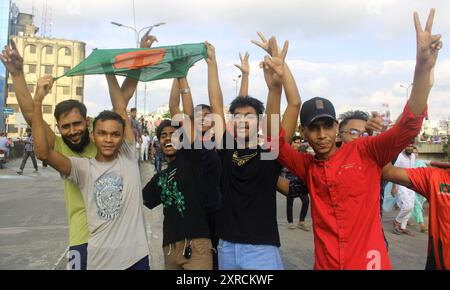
(244, 67)
(11, 59)
(375, 123)
(274, 66)
(264, 44)
(147, 40)
(44, 85)
(211, 50)
(428, 45)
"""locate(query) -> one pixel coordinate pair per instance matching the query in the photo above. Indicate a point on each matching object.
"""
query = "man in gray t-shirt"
(110, 183)
(111, 193)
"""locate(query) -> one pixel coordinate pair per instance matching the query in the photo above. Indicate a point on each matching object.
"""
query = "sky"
(359, 54)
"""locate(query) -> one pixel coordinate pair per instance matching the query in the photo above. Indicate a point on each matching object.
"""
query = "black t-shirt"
(212, 172)
(249, 209)
(181, 190)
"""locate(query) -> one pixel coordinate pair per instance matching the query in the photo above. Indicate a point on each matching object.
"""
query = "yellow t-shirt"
(76, 211)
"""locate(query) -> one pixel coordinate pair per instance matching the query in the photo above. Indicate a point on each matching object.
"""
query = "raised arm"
(274, 73)
(245, 72)
(428, 46)
(384, 147)
(290, 116)
(14, 64)
(119, 105)
(129, 84)
(174, 100)
(188, 108)
(215, 94)
(41, 147)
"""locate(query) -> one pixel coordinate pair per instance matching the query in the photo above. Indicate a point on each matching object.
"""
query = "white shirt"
(405, 161)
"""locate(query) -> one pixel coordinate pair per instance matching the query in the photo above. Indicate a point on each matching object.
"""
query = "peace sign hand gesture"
(264, 44)
(428, 45)
(274, 66)
(244, 67)
(11, 59)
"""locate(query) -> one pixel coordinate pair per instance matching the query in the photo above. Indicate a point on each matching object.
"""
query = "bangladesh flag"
(144, 64)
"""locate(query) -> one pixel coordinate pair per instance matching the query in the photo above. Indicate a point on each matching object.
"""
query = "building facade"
(44, 56)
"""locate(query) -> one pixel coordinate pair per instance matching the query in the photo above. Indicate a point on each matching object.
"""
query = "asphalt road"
(33, 226)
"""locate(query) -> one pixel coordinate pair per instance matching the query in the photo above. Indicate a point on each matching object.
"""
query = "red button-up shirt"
(345, 195)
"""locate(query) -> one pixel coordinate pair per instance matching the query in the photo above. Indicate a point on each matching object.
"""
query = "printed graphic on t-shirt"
(108, 196)
(444, 188)
(241, 160)
(170, 195)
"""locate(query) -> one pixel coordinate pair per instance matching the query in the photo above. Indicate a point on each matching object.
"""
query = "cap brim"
(320, 117)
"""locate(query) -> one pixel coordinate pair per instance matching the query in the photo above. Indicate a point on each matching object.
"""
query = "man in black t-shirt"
(248, 229)
(181, 190)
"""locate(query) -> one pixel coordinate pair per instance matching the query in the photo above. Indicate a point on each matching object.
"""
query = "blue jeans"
(233, 256)
(77, 257)
(142, 264)
(158, 164)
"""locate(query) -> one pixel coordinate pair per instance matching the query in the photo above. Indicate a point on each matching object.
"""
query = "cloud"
(355, 52)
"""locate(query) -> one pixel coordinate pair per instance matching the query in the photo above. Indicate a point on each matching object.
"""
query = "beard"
(80, 146)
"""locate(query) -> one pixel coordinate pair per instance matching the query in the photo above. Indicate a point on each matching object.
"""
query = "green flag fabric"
(144, 64)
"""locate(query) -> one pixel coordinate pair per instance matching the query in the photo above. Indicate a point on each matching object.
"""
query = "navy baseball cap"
(316, 108)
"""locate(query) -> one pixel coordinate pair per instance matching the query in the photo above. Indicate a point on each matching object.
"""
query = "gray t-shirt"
(113, 199)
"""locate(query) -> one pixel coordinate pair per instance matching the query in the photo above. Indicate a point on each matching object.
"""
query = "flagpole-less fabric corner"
(144, 64)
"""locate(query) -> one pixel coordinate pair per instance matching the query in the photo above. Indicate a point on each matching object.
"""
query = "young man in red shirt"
(434, 185)
(344, 182)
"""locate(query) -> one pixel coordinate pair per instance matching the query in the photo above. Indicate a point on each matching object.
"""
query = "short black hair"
(109, 115)
(203, 106)
(67, 106)
(352, 115)
(295, 138)
(164, 123)
(244, 101)
(133, 110)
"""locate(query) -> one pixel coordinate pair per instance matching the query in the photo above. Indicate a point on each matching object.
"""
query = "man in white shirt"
(406, 196)
(145, 146)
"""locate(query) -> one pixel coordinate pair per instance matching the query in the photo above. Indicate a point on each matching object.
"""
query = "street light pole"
(236, 83)
(137, 36)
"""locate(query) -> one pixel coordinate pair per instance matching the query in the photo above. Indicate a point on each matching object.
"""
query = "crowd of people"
(220, 185)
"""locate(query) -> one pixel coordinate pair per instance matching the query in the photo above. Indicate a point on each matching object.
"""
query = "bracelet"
(185, 91)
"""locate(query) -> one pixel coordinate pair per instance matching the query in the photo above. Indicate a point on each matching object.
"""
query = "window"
(48, 69)
(67, 51)
(49, 50)
(31, 68)
(47, 109)
(10, 88)
(32, 49)
(31, 88)
(79, 91)
(66, 90)
(12, 129)
(65, 69)
(15, 107)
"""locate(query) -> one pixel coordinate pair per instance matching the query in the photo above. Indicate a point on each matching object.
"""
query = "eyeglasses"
(356, 133)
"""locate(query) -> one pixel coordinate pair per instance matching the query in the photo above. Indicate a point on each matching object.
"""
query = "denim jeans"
(77, 257)
(158, 164)
(234, 256)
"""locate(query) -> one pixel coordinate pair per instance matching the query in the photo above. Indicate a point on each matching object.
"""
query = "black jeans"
(27, 154)
(305, 204)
